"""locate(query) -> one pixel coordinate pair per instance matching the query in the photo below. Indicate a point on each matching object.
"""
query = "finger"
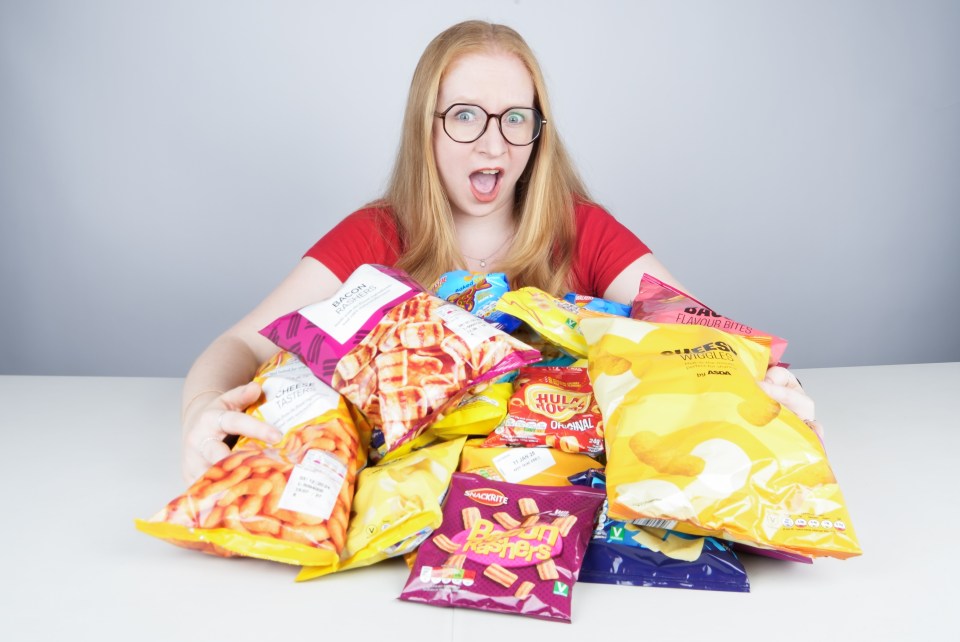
(793, 399)
(240, 397)
(213, 450)
(231, 422)
(782, 377)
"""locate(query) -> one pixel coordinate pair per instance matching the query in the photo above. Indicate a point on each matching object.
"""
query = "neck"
(484, 239)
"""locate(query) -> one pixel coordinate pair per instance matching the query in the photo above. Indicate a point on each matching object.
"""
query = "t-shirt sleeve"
(366, 236)
(605, 247)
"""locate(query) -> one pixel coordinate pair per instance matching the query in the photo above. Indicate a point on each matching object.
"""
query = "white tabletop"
(84, 456)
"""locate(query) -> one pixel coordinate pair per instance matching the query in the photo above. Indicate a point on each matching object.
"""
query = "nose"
(492, 141)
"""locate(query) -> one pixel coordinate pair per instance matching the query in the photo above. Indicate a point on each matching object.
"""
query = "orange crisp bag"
(692, 438)
(286, 503)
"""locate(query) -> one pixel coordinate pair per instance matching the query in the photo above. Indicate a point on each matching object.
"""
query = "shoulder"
(586, 212)
(376, 214)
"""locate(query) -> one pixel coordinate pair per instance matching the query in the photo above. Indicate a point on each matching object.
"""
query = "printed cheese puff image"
(759, 410)
(658, 453)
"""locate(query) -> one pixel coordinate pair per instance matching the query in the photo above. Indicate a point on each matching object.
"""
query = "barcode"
(655, 523)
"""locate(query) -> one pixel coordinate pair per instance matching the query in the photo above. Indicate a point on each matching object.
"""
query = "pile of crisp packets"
(509, 443)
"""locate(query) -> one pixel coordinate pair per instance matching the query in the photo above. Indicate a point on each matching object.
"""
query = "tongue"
(483, 183)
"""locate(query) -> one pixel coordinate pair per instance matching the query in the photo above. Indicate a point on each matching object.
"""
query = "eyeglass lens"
(466, 123)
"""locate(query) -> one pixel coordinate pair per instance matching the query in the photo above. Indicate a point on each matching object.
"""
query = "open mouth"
(485, 184)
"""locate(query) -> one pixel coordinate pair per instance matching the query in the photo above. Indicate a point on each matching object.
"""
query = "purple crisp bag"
(505, 547)
(398, 353)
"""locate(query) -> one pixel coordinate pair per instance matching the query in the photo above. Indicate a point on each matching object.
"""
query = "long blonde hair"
(542, 251)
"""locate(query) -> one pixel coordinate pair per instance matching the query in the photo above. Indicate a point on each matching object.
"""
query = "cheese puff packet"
(286, 503)
(533, 466)
(623, 553)
(662, 303)
(397, 505)
(478, 294)
(554, 319)
(597, 304)
(506, 548)
(398, 353)
(692, 437)
(552, 407)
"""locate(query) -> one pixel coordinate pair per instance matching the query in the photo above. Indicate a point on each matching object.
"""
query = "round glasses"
(464, 123)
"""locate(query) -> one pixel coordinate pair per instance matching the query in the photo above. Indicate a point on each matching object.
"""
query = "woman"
(481, 182)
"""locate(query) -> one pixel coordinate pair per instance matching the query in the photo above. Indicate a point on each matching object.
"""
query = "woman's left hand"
(782, 386)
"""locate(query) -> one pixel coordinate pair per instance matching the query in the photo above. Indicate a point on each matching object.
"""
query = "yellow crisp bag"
(554, 319)
(476, 414)
(518, 465)
(692, 437)
(397, 505)
(286, 503)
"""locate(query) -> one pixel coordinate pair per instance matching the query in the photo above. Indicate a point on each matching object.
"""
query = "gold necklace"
(483, 262)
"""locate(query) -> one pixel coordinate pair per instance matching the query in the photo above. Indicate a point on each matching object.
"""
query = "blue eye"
(465, 115)
(515, 118)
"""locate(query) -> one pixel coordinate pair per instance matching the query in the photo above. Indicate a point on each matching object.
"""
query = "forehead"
(492, 80)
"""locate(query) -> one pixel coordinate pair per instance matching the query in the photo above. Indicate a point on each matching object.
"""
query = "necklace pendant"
(483, 263)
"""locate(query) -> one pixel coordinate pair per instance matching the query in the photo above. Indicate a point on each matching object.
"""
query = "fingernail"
(277, 436)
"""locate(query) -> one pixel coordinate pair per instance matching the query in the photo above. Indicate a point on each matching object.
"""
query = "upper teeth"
(489, 171)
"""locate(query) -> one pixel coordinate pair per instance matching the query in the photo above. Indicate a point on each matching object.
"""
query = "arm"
(218, 388)
(625, 286)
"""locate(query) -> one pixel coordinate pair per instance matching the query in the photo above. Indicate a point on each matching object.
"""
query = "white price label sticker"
(519, 464)
(314, 484)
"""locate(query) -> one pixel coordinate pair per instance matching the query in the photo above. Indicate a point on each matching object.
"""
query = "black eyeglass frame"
(536, 112)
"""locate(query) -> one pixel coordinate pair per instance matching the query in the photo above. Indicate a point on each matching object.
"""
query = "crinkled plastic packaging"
(400, 354)
(552, 407)
(554, 319)
(624, 553)
(477, 294)
(662, 303)
(534, 466)
(691, 437)
(286, 503)
(597, 304)
(505, 547)
(396, 506)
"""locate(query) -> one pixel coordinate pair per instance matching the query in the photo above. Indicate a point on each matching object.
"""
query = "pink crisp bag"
(661, 303)
(398, 353)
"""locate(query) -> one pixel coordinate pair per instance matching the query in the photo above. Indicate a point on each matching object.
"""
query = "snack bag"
(396, 506)
(401, 355)
(478, 294)
(532, 466)
(555, 320)
(475, 415)
(692, 437)
(661, 303)
(505, 547)
(552, 407)
(623, 553)
(597, 304)
(286, 503)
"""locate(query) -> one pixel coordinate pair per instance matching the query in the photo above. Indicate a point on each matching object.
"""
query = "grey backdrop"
(164, 164)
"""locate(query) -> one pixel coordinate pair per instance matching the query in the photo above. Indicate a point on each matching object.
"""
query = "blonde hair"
(542, 251)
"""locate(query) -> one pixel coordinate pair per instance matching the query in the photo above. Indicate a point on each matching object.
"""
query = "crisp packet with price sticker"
(552, 406)
(506, 547)
(401, 355)
(534, 466)
(287, 502)
(692, 437)
(396, 506)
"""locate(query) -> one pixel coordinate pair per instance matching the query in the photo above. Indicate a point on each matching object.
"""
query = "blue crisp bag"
(478, 294)
(616, 555)
(597, 304)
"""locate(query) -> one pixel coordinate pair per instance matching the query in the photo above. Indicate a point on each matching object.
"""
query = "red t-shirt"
(604, 246)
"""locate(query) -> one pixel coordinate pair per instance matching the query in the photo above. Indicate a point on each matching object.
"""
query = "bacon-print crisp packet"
(398, 353)
(555, 407)
(506, 547)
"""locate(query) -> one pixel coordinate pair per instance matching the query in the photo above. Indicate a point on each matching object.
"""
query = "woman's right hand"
(205, 428)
